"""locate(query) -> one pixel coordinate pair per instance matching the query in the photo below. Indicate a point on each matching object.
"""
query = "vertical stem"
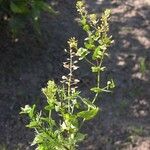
(98, 85)
(69, 81)
(98, 76)
(50, 112)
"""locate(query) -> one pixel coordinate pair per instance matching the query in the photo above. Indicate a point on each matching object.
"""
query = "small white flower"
(66, 65)
(64, 77)
(75, 62)
(70, 74)
(75, 67)
(76, 80)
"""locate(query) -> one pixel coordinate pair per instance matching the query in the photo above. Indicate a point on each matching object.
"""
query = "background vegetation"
(16, 14)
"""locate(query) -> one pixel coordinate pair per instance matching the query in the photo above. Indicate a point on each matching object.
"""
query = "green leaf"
(28, 110)
(48, 8)
(58, 106)
(96, 89)
(88, 103)
(83, 21)
(86, 27)
(44, 6)
(33, 124)
(80, 137)
(71, 119)
(49, 107)
(97, 53)
(50, 121)
(19, 8)
(89, 46)
(39, 138)
(97, 69)
(106, 41)
(82, 53)
(17, 23)
(89, 114)
(103, 47)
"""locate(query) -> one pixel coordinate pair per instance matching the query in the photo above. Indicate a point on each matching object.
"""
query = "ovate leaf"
(97, 53)
(89, 114)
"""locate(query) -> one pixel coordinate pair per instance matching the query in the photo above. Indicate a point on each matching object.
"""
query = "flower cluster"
(81, 8)
(70, 64)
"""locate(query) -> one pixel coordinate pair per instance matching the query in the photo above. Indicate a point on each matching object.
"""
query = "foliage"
(142, 65)
(57, 126)
(17, 12)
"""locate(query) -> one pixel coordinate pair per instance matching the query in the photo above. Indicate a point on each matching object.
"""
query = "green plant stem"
(89, 62)
(98, 85)
(98, 77)
(50, 112)
(69, 81)
(82, 122)
(72, 109)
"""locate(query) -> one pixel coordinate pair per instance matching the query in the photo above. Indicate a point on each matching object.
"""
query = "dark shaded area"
(129, 105)
(26, 66)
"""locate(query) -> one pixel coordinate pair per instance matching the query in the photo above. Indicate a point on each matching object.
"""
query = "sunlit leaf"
(89, 114)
